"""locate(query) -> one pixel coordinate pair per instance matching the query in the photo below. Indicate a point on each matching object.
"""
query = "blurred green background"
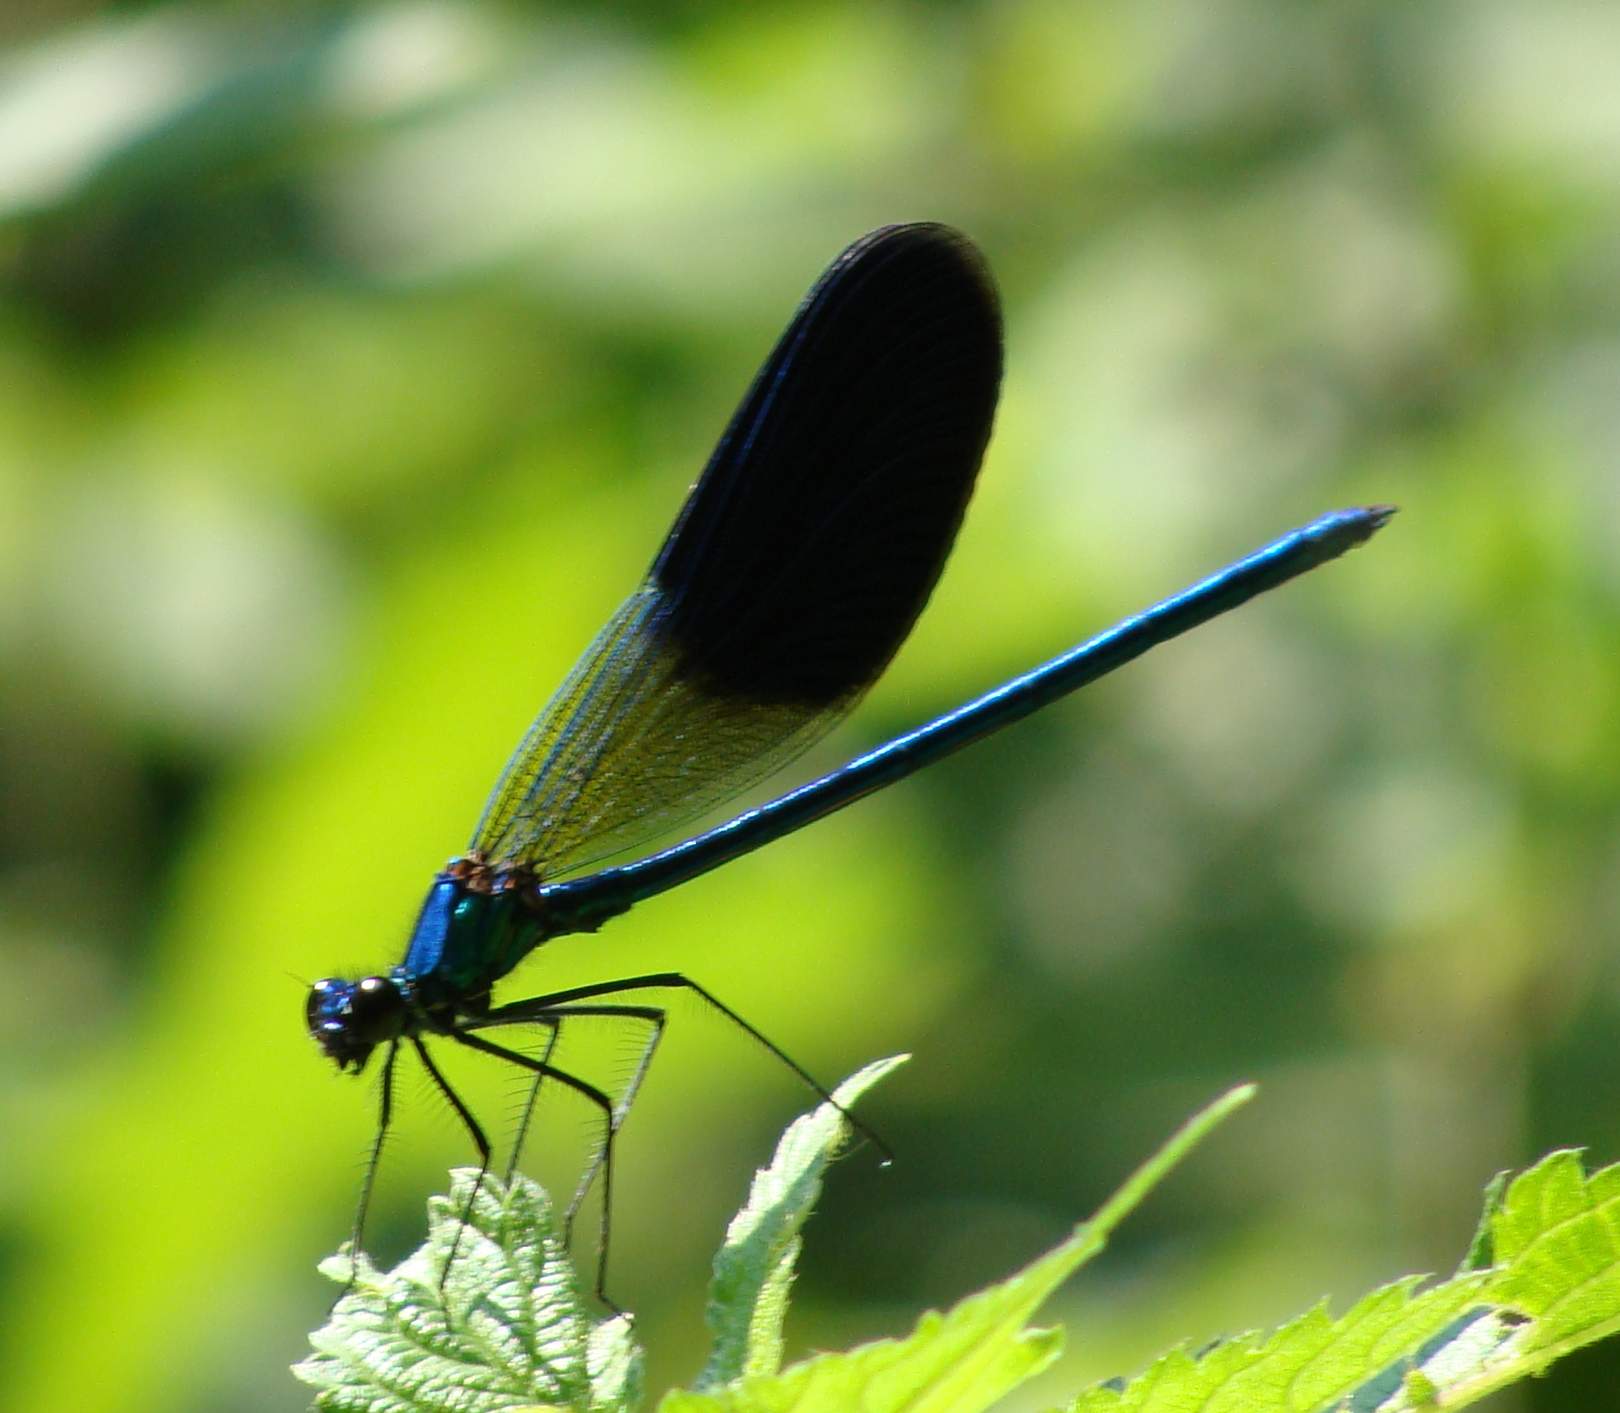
(353, 361)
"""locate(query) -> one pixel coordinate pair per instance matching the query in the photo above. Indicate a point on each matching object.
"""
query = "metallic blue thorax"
(467, 936)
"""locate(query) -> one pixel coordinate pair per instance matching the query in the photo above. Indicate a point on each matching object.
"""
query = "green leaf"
(501, 1327)
(1482, 1249)
(1554, 1236)
(1557, 1239)
(753, 1270)
(1313, 1362)
(967, 1358)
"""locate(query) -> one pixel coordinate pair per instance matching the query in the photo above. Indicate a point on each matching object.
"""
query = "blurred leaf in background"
(353, 360)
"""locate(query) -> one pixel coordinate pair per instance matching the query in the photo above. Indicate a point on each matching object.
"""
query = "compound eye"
(318, 1004)
(376, 1009)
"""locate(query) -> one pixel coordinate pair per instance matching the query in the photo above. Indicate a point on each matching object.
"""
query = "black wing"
(795, 569)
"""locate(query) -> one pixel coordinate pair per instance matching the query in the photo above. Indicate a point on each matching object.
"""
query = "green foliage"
(1549, 1283)
(503, 1327)
(968, 1357)
(753, 1270)
(1312, 1362)
(485, 1315)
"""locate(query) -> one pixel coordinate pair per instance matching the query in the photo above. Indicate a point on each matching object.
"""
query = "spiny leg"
(480, 1141)
(596, 1097)
(518, 1011)
(522, 1133)
(385, 1114)
(656, 1017)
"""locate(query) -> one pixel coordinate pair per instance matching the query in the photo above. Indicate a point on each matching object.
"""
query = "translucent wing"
(794, 571)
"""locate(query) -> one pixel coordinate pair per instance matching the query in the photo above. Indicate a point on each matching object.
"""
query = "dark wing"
(794, 571)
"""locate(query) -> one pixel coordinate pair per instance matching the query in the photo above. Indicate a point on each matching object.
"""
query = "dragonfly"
(799, 562)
